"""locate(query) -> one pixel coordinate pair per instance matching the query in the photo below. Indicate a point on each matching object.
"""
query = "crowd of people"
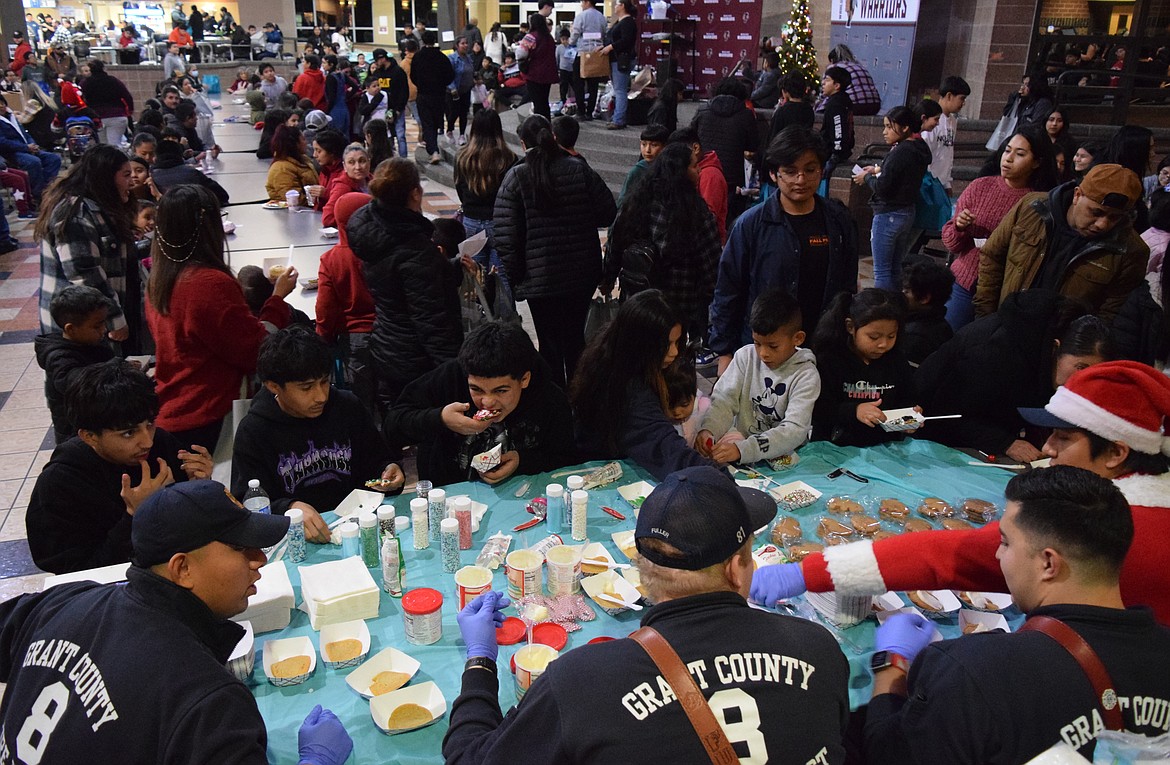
(1047, 331)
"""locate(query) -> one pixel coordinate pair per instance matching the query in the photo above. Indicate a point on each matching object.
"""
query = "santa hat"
(1118, 400)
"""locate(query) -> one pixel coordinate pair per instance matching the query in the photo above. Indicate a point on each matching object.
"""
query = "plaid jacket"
(862, 90)
(81, 249)
(685, 262)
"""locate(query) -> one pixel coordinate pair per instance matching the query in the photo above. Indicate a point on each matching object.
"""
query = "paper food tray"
(596, 584)
(624, 540)
(279, 650)
(985, 622)
(386, 660)
(945, 598)
(424, 694)
(984, 601)
(635, 493)
(358, 500)
(243, 657)
(794, 495)
(594, 550)
(900, 420)
(352, 630)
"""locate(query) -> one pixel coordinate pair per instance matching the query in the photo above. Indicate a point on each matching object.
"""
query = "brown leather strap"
(698, 711)
(1090, 663)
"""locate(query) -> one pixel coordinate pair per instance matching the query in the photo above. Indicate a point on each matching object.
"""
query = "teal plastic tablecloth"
(908, 471)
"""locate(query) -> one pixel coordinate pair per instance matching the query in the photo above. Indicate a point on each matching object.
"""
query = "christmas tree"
(797, 53)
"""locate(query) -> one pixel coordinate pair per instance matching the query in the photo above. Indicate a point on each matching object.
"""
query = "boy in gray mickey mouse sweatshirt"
(768, 391)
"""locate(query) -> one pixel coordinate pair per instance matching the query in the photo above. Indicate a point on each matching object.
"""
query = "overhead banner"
(851, 12)
(711, 37)
(881, 35)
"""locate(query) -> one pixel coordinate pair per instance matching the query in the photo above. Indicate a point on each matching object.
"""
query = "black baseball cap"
(379, 53)
(704, 514)
(186, 516)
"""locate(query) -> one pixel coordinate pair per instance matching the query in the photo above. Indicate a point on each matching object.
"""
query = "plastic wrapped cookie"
(916, 524)
(865, 525)
(787, 531)
(844, 503)
(978, 510)
(934, 508)
(833, 531)
(799, 552)
(956, 524)
(893, 509)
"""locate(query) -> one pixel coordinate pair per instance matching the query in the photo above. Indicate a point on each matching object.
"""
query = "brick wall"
(141, 80)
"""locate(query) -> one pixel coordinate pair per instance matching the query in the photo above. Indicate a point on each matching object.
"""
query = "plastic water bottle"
(256, 500)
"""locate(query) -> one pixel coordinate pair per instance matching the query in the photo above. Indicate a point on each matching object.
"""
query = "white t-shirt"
(941, 141)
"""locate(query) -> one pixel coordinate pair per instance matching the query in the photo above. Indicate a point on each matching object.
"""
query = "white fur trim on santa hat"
(1145, 490)
(854, 569)
(1083, 413)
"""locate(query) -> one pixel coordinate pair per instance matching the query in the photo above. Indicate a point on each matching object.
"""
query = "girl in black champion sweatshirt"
(862, 371)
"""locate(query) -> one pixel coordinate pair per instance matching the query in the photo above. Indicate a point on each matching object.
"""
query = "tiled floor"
(26, 436)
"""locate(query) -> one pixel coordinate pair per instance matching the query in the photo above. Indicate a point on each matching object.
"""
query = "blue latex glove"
(322, 739)
(904, 634)
(478, 622)
(772, 583)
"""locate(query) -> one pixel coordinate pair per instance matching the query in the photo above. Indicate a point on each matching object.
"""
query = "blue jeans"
(487, 258)
(961, 306)
(400, 131)
(41, 167)
(621, 92)
(889, 242)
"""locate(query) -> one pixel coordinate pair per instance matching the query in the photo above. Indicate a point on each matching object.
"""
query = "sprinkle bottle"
(555, 520)
(437, 502)
(368, 525)
(419, 521)
(580, 504)
(450, 544)
(296, 534)
(462, 513)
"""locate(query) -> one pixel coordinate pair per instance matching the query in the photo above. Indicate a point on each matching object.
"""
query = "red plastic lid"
(602, 639)
(551, 634)
(424, 600)
(511, 631)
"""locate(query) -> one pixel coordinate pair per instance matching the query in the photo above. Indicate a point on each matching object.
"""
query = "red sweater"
(340, 184)
(965, 560)
(713, 190)
(344, 303)
(989, 200)
(325, 176)
(310, 84)
(206, 345)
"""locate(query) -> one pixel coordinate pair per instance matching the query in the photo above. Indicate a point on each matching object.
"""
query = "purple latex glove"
(322, 739)
(778, 582)
(905, 634)
(478, 622)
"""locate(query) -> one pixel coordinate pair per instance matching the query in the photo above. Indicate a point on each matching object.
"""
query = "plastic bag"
(1123, 748)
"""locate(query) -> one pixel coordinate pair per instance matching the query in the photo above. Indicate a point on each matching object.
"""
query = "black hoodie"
(61, 358)
(837, 126)
(76, 516)
(988, 369)
(900, 181)
(540, 430)
(317, 460)
(727, 127)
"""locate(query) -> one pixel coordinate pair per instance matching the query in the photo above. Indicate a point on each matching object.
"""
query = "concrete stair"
(609, 152)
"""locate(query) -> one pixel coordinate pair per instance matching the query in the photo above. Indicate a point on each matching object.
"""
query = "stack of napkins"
(339, 591)
(271, 607)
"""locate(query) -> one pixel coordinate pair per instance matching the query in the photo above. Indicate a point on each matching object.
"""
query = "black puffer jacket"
(728, 128)
(416, 306)
(1140, 329)
(554, 251)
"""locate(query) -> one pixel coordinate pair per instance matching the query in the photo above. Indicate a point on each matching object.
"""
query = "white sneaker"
(450, 136)
(462, 140)
(436, 158)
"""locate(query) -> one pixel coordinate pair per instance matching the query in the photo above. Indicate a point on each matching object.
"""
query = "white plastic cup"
(292, 197)
(471, 582)
(309, 200)
(531, 662)
(523, 570)
(564, 570)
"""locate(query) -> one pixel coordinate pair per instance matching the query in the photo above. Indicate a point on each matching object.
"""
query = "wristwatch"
(885, 659)
(483, 662)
